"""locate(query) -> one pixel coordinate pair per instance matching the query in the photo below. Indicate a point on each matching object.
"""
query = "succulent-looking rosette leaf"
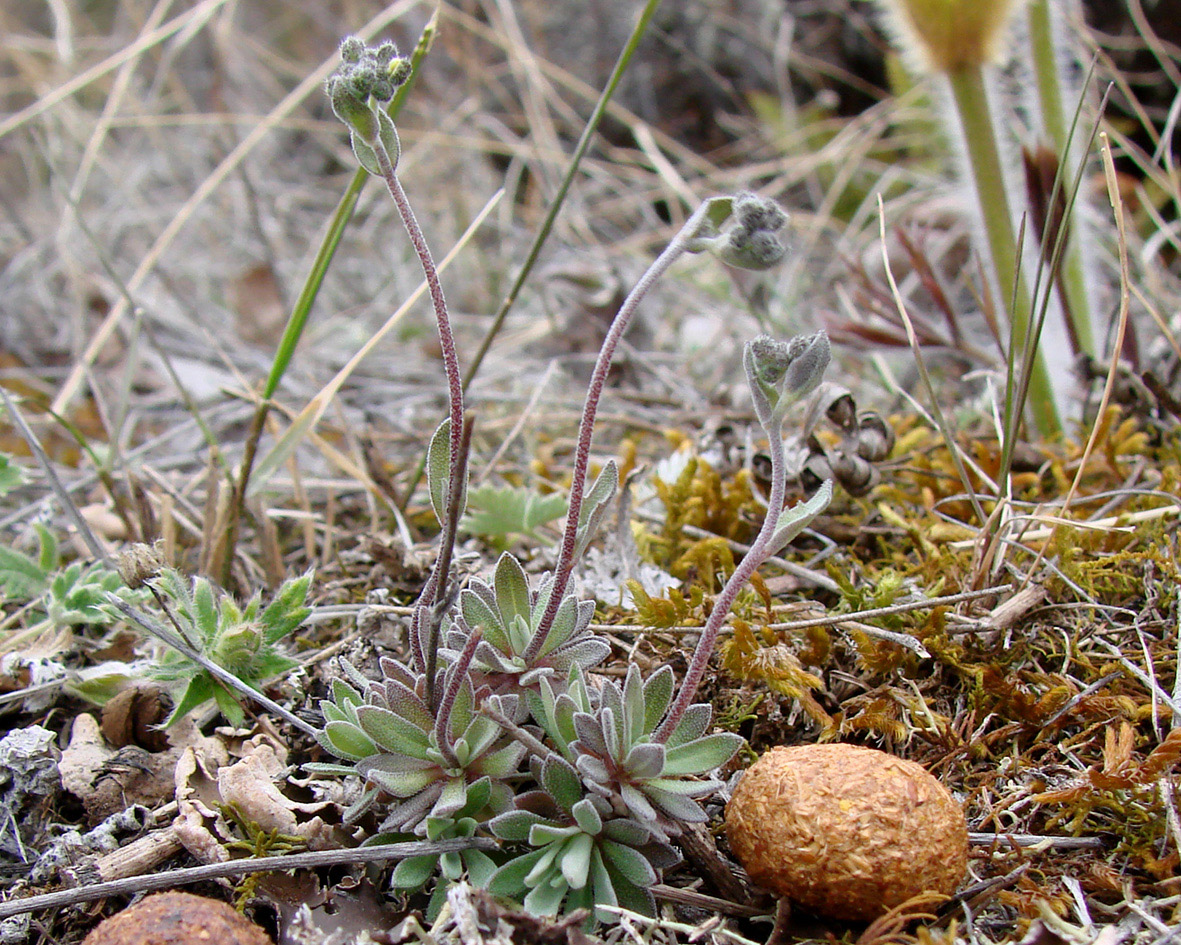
(608, 738)
(428, 763)
(507, 614)
(584, 855)
(415, 872)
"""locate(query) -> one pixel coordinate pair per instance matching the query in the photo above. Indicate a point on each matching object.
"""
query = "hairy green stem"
(547, 224)
(299, 316)
(442, 316)
(975, 119)
(1044, 49)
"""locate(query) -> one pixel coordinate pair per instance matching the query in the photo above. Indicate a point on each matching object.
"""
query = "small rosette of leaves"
(609, 738)
(75, 595)
(507, 614)
(242, 640)
(415, 872)
(429, 762)
(584, 855)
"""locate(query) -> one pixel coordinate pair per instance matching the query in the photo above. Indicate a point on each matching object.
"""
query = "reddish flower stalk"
(680, 244)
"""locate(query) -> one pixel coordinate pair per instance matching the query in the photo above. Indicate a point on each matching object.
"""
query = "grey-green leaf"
(595, 505)
(794, 520)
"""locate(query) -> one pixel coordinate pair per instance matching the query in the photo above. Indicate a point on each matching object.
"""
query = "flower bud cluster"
(366, 75)
(781, 373)
(752, 240)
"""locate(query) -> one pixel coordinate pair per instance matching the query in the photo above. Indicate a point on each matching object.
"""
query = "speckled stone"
(177, 918)
(846, 832)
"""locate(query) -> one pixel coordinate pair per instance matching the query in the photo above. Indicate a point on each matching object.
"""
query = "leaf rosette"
(584, 856)
(609, 738)
(508, 615)
(428, 761)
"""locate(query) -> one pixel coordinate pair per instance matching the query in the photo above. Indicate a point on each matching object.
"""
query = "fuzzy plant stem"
(586, 427)
(443, 713)
(1044, 49)
(975, 118)
(437, 590)
(750, 563)
(456, 449)
(442, 316)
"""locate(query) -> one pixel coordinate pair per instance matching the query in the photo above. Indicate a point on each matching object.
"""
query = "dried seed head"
(854, 473)
(875, 437)
(139, 564)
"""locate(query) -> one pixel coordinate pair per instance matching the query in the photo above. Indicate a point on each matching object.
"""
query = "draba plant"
(494, 722)
(429, 761)
(608, 735)
(584, 854)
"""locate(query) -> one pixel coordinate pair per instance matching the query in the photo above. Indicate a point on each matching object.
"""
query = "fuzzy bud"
(366, 75)
(751, 241)
(781, 373)
(139, 564)
(948, 35)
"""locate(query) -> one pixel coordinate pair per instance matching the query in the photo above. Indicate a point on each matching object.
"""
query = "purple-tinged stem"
(738, 580)
(443, 715)
(442, 570)
(437, 585)
(586, 427)
(442, 317)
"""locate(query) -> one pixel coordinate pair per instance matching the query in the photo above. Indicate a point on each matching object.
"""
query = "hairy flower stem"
(586, 427)
(443, 713)
(442, 316)
(456, 448)
(988, 180)
(742, 574)
(437, 587)
(533, 745)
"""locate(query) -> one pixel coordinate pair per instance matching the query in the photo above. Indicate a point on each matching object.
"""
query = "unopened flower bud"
(809, 356)
(758, 213)
(948, 35)
(750, 240)
(365, 76)
(781, 373)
